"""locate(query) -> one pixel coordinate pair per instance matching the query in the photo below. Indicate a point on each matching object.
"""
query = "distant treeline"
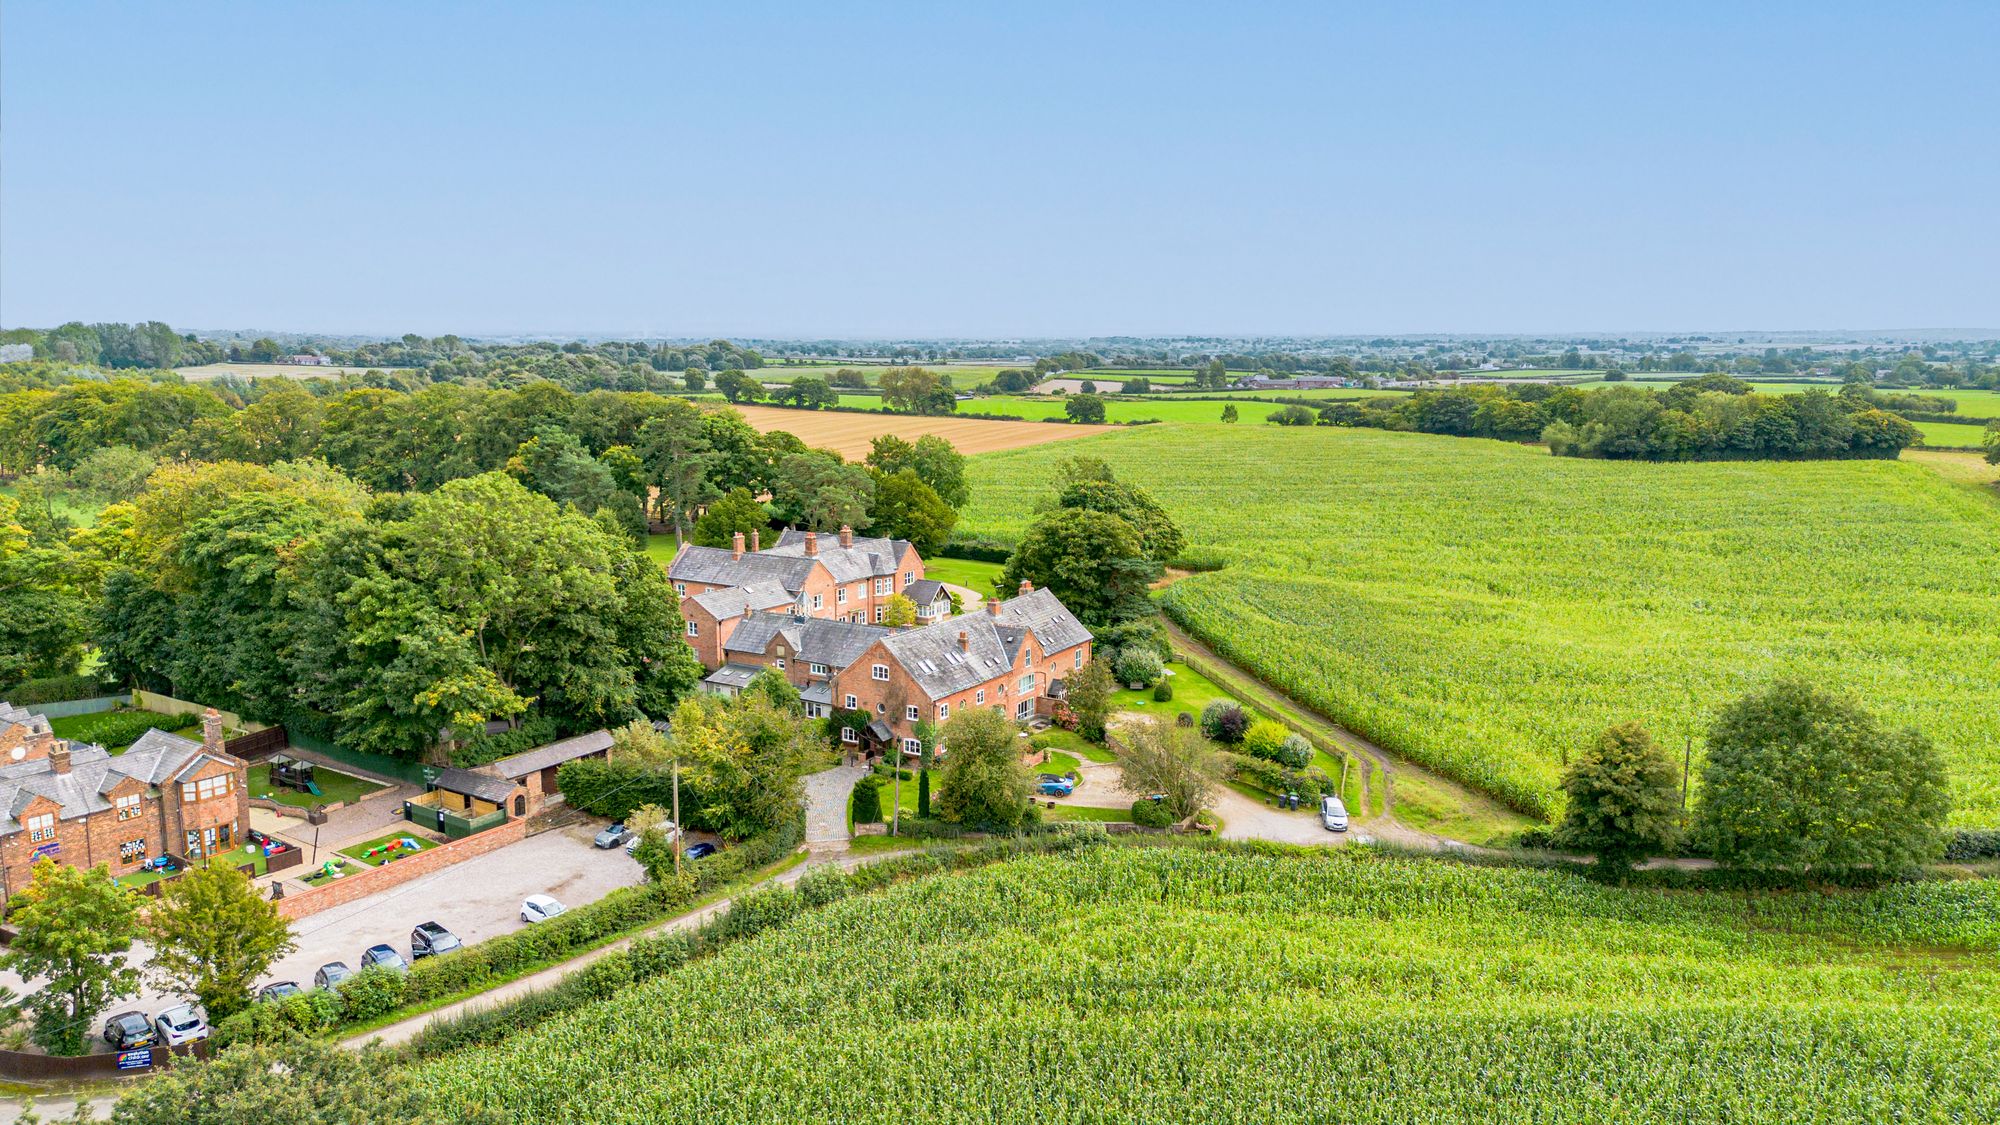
(1711, 418)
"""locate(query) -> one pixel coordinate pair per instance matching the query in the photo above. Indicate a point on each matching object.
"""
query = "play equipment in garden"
(294, 774)
(392, 849)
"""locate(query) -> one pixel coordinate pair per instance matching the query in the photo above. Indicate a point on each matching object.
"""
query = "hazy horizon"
(911, 172)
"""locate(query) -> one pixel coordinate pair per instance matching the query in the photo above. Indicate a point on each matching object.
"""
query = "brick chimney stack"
(211, 731)
(736, 548)
(993, 607)
(755, 537)
(964, 641)
(1027, 587)
(846, 536)
(812, 544)
(59, 757)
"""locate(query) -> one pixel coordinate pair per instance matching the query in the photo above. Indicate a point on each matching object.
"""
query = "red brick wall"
(340, 892)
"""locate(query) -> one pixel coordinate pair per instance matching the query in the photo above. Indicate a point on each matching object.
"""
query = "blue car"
(699, 851)
(1049, 785)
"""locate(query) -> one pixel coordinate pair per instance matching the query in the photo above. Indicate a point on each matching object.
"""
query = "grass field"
(1974, 404)
(849, 434)
(970, 573)
(1952, 435)
(1183, 985)
(1485, 608)
(1161, 408)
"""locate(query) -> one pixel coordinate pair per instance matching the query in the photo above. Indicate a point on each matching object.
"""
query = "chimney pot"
(1027, 587)
(846, 536)
(812, 543)
(993, 607)
(736, 547)
(59, 757)
(964, 641)
(756, 538)
(211, 731)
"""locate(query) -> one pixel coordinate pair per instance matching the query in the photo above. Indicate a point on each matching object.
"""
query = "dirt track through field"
(849, 434)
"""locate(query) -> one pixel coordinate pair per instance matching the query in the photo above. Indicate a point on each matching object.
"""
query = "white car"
(673, 834)
(1333, 814)
(180, 1025)
(540, 908)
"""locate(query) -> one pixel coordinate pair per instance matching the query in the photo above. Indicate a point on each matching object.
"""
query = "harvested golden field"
(849, 434)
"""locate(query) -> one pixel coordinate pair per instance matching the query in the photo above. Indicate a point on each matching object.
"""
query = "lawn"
(1086, 812)
(661, 548)
(359, 852)
(970, 573)
(1074, 743)
(1485, 609)
(1192, 692)
(1057, 763)
(1952, 435)
(333, 786)
(319, 878)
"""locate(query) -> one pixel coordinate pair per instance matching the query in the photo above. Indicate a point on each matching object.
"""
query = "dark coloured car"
(699, 851)
(431, 939)
(279, 990)
(383, 956)
(129, 1031)
(331, 974)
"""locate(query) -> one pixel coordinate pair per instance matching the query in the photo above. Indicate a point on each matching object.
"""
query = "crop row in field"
(849, 434)
(1199, 985)
(1485, 609)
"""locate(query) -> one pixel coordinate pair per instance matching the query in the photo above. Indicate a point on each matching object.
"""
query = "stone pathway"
(827, 794)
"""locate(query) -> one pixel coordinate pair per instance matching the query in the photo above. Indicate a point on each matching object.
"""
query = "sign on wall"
(49, 850)
(135, 1060)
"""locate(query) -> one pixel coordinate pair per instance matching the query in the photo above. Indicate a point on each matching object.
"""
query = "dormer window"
(41, 828)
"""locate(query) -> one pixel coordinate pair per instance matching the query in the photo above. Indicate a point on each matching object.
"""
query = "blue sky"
(1000, 169)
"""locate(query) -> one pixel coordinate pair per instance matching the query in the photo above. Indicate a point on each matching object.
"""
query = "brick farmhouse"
(78, 804)
(851, 579)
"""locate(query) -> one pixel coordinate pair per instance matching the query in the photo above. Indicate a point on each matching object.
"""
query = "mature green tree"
(1624, 799)
(1229, 412)
(984, 783)
(931, 457)
(1159, 536)
(1992, 442)
(213, 936)
(906, 508)
(283, 424)
(810, 392)
(1085, 408)
(1089, 696)
(555, 464)
(746, 758)
(675, 450)
(113, 473)
(1802, 781)
(1175, 762)
(72, 928)
(868, 800)
(817, 490)
(44, 625)
(917, 390)
(1093, 561)
(738, 387)
(696, 380)
(737, 512)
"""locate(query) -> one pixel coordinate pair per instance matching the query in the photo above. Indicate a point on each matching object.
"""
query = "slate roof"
(925, 591)
(868, 558)
(733, 601)
(1054, 626)
(484, 786)
(932, 655)
(815, 640)
(718, 566)
(157, 758)
(732, 675)
(12, 716)
(819, 691)
(554, 754)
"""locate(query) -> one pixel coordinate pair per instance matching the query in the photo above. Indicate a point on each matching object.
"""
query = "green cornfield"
(1230, 985)
(1484, 608)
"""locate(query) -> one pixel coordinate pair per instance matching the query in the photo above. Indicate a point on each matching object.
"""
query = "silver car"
(1333, 814)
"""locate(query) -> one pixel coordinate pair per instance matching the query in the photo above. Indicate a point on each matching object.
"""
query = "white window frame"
(840, 596)
(1026, 683)
(41, 828)
(910, 712)
(878, 615)
(694, 629)
(1079, 658)
(816, 669)
(853, 704)
(819, 601)
(128, 808)
(132, 851)
(882, 585)
(944, 711)
(878, 671)
(909, 576)
(912, 746)
(847, 734)
(681, 588)
(781, 663)
(979, 697)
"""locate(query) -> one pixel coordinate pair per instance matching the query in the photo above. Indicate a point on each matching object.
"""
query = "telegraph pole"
(674, 838)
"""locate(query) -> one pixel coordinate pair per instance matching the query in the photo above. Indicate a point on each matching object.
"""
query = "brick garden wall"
(340, 892)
